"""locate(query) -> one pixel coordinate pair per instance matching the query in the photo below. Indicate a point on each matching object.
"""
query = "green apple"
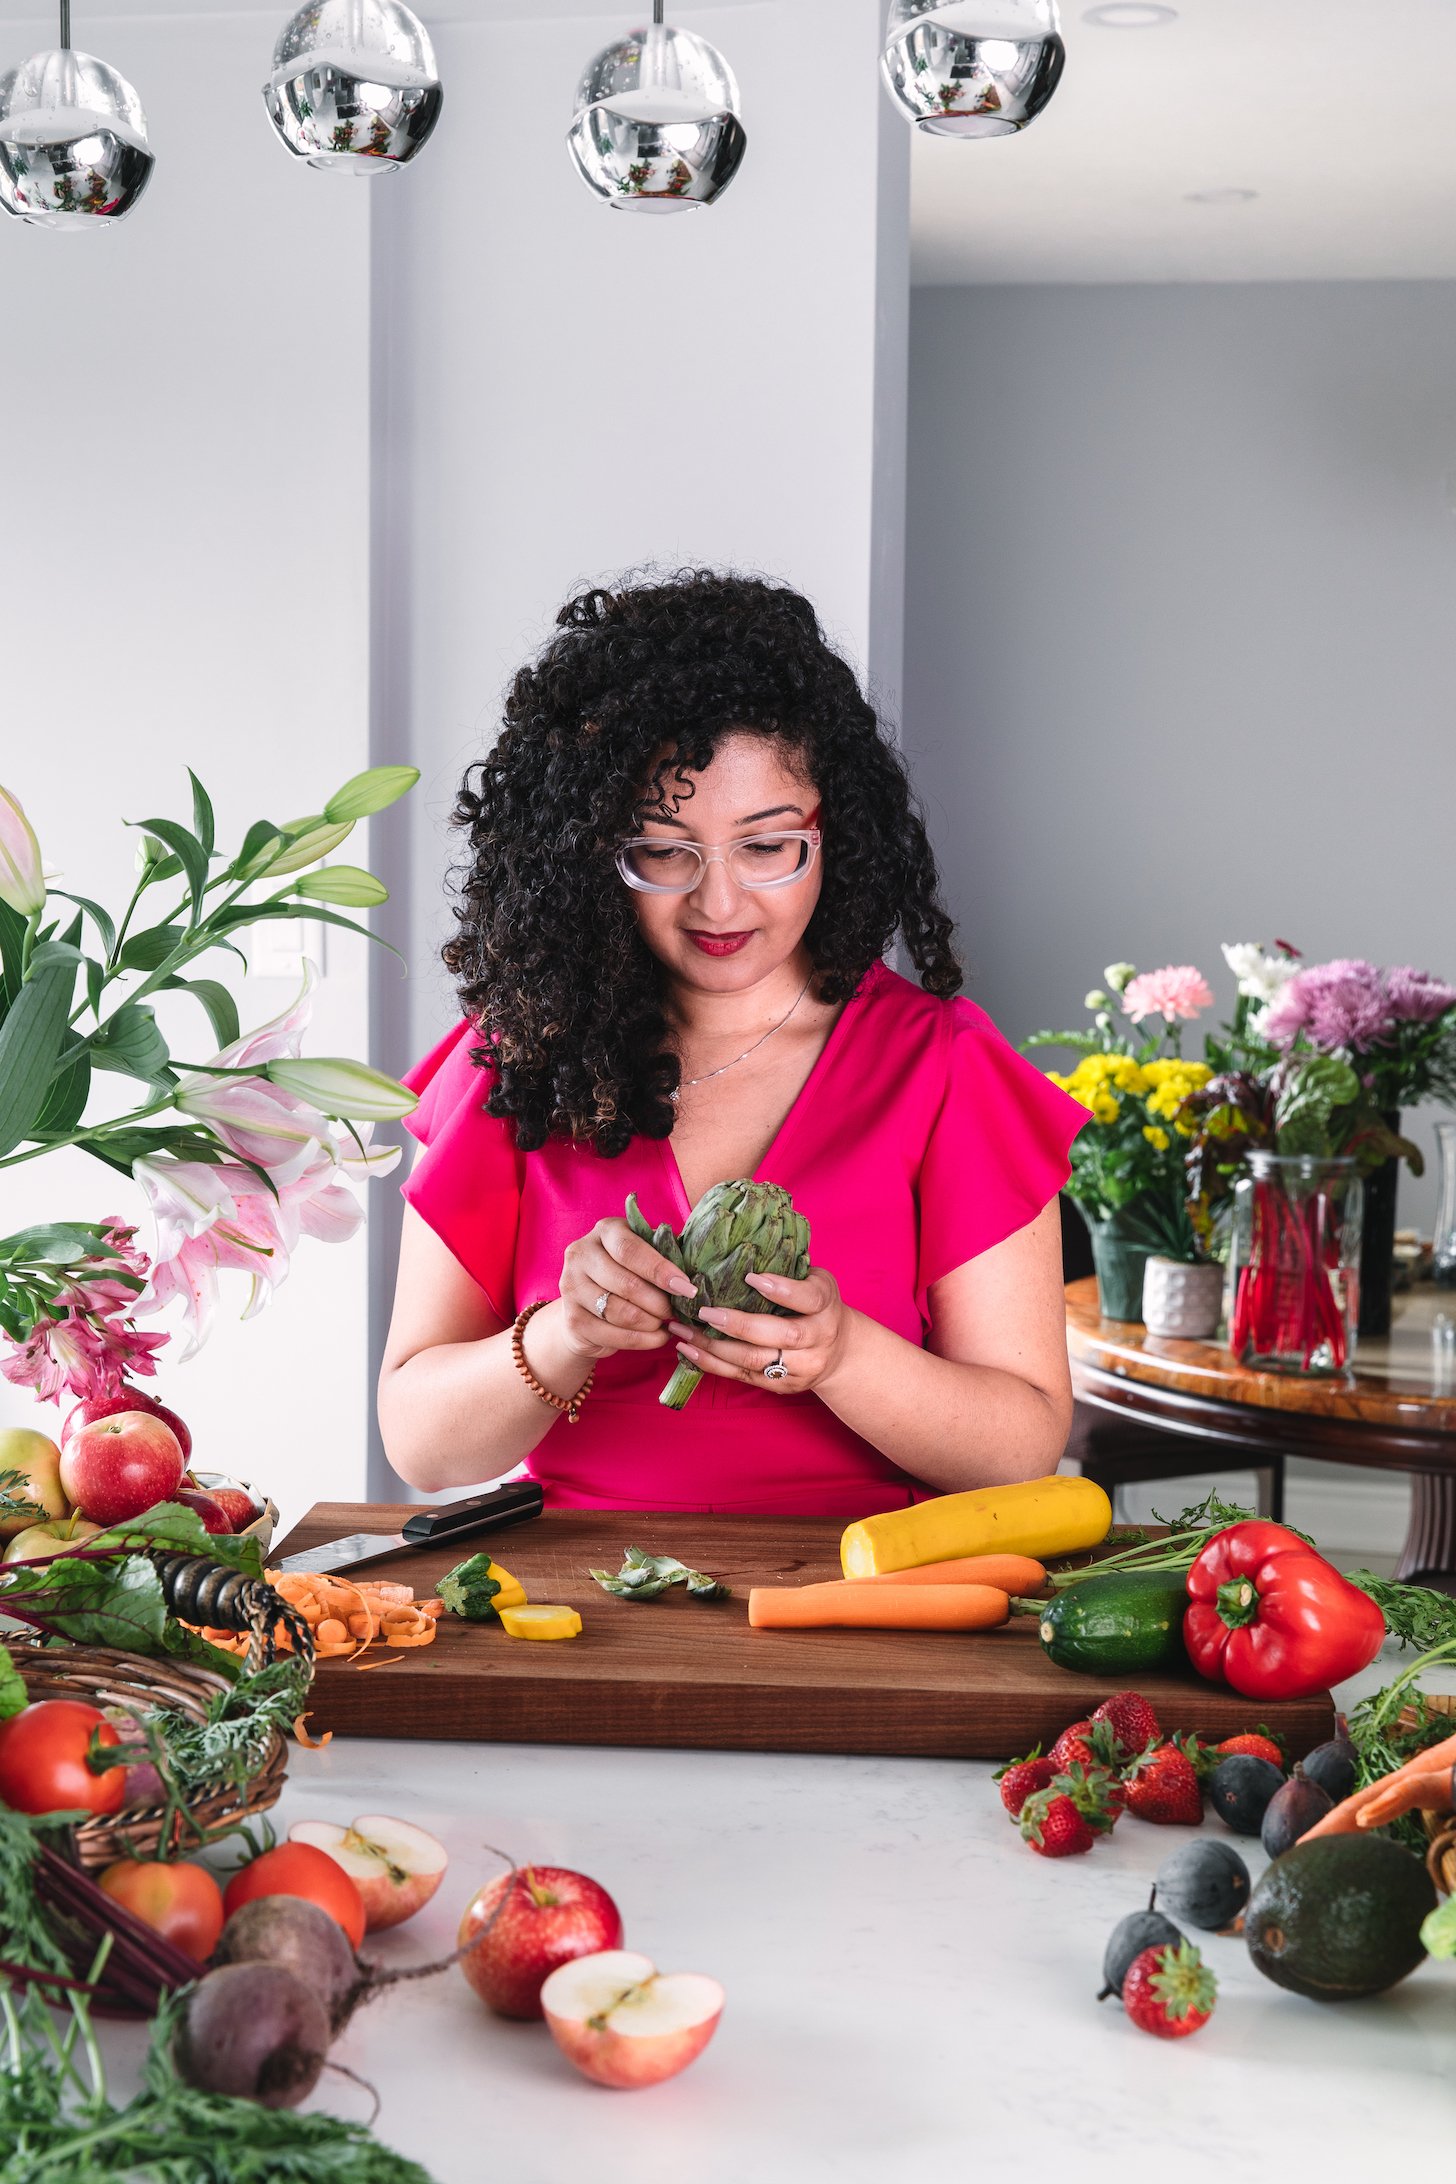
(30, 1472)
(42, 1542)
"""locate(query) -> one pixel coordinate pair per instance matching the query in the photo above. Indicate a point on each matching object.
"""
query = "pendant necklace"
(689, 1082)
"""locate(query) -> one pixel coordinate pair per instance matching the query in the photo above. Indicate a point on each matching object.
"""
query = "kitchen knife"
(512, 1503)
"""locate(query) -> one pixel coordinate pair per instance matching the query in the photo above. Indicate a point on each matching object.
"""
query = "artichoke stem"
(675, 1395)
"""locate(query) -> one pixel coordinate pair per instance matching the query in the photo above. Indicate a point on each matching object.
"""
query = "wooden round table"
(1396, 1411)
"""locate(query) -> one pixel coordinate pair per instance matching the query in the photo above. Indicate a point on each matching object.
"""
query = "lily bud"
(370, 792)
(344, 1090)
(22, 882)
(345, 883)
(319, 837)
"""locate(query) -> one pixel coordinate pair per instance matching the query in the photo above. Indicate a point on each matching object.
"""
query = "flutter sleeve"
(466, 1183)
(998, 1149)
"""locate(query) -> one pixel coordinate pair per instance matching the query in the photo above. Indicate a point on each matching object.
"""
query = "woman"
(690, 849)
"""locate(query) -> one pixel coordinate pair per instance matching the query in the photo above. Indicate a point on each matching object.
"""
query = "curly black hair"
(638, 689)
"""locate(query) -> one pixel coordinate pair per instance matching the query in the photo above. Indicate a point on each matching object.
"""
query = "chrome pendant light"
(73, 139)
(657, 127)
(972, 68)
(354, 85)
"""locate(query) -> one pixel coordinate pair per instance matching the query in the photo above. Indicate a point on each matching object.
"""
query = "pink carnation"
(1176, 993)
(1416, 997)
(1342, 1004)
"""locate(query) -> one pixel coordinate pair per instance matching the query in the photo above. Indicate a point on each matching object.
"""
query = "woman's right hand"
(637, 1282)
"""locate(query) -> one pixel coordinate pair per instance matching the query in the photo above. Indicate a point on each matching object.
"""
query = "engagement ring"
(778, 1370)
(600, 1307)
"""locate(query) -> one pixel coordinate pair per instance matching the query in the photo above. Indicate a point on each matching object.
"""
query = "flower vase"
(1182, 1300)
(1120, 1261)
(1443, 1250)
(1294, 1280)
(1377, 1249)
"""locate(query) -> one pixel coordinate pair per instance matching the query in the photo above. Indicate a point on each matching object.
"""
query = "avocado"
(1339, 1916)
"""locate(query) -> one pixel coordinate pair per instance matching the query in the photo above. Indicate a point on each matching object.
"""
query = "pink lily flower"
(22, 883)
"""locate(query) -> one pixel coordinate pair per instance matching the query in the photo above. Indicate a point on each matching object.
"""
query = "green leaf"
(130, 1042)
(348, 884)
(14, 1698)
(222, 1009)
(31, 1038)
(146, 950)
(1302, 1114)
(643, 1577)
(184, 844)
(308, 840)
(202, 819)
(59, 1243)
(93, 1603)
(1438, 1929)
(181, 1531)
(259, 844)
(369, 792)
(12, 945)
(243, 914)
(100, 918)
(122, 1148)
(66, 1098)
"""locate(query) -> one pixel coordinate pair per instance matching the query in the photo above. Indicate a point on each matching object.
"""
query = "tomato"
(43, 1760)
(182, 1903)
(297, 1869)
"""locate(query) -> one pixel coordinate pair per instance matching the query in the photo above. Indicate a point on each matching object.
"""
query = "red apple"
(624, 2023)
(97, 1407)
(550, 1916)
(36, 1461)
(43, 1542)
(202, 1504)
(121, 1465)
(237, 1505)
(395, 1866)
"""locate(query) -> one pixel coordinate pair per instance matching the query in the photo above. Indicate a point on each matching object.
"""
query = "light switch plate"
(276, 948)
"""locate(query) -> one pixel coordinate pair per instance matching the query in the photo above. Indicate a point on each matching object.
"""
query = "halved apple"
(395, 1866)
(624, 2023)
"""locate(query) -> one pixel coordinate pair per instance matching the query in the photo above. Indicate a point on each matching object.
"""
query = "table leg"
(1429, 1554)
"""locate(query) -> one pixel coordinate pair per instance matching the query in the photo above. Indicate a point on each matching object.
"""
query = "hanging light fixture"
(354, 85)
(73, 138)
(657, 127)
(972, 68)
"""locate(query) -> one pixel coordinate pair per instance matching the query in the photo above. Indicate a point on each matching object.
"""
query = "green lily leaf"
(130, 1042)
(31, 1039)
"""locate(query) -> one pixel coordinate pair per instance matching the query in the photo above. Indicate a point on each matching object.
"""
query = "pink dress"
(920, 1139)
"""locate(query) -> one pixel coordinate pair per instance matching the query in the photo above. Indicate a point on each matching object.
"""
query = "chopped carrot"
(1008, 1573)
(854, 1605)
(388, 1661)
(311, 1744)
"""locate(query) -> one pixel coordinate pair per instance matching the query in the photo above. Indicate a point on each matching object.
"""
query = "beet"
(1205, 1882)
(255, 2032)
(1333, 1767)
(295, 1934)
(1239, 1790)
(1292, 1811)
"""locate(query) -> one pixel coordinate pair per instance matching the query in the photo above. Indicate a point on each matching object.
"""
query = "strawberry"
(1169, 1992)
(1071, 1812)
(1020, 1777)
(1132, 1721)
(1256, 1744)
(1162, 1785)
(1086, 1744)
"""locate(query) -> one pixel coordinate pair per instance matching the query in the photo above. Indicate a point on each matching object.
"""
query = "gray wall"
(1181, 628)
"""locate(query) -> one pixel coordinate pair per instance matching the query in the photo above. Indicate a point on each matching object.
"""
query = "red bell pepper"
(1273, 1618)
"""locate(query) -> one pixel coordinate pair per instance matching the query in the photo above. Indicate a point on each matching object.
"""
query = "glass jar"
(1294, 1283)
(1443, 1250)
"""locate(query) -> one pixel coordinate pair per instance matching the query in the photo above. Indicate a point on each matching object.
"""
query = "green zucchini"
(1114, 1625)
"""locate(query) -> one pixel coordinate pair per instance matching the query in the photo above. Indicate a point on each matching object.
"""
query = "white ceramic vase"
(1182, 1300)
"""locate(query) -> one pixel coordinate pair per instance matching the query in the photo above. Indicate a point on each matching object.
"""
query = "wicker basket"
(104, 1676)
(1440, 1826)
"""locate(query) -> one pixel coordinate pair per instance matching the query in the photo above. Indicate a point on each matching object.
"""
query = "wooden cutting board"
(690, 1674)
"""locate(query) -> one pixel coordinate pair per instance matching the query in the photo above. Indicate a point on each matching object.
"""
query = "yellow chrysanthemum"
(1106, 1107)
(1158, 1139)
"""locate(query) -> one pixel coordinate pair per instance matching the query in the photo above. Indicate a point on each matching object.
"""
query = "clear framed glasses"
(655, 864)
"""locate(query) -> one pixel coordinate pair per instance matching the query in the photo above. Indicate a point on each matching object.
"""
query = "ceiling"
(1338, 113)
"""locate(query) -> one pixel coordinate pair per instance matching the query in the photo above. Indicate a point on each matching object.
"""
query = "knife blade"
(513, 1503)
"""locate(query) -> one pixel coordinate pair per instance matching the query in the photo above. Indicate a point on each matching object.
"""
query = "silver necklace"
(689, 1082)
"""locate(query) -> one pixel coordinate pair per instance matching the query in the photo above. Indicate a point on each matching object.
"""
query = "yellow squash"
(512, 1592)
(539, 1622)
(1040, 1517)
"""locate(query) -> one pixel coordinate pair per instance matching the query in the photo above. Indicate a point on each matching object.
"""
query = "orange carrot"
(1008, 1573)
(1409, 1793)
(852, 1605)
(1346, 1819)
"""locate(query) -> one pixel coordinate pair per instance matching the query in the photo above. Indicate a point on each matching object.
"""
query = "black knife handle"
(509, 1504)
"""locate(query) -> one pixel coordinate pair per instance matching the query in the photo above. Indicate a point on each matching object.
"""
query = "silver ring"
(777, 1369)
(600, 1307)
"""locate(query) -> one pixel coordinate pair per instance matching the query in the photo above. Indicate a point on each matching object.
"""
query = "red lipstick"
(719, 944)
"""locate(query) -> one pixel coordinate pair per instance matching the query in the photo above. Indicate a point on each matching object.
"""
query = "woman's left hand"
(738, 1345)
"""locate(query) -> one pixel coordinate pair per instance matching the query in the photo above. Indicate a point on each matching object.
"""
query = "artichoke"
(734, 1230)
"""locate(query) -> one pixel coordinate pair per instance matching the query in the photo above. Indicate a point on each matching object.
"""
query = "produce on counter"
(1066, 1818)
(545, 1621)
(43, 1760)
(1292, 1811)
(299, 1869)
(96, 1407)
(1131, 1719)
(1037, 1517)
(1169, 1992)
(122, 1465)
(1161, 1785)
(735, 1229)
(643, 1577)
(1008, 1573)
(1118, 1624)
(1334, 1766)
(178, 1899)
(1240, 1789)
(1140, 1930)
(1272, 1618)
(1088, 1744)
(30, 1480)
(1252, 1744)
(395, 1865)
(624, 2023)
(1340, 1916)
(208, 1510)
(841, 1606)
(527, 1923)
(1173, 1551)
(253, 2032)
(1423, 1782)
(478, 1588)
(1019, 1778)
(1205, 1882)
(345, 1614)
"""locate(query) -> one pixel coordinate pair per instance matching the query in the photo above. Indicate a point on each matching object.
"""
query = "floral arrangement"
(238, 1154)
(1396, 1027)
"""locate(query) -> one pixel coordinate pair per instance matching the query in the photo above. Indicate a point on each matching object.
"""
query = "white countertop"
(910, 1988)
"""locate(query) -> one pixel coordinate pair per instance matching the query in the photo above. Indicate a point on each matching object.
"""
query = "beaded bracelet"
(570, 1404)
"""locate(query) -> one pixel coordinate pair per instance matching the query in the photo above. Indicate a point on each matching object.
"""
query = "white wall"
(1181, 594)
(184, 579)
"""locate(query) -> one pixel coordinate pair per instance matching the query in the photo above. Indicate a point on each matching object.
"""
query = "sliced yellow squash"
(539, 1622)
